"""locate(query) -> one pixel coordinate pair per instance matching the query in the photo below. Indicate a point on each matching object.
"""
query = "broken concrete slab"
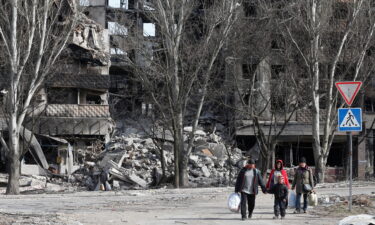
(35, 150)
(206, 152)
(205, 171)
(218, 150)
(136, 179)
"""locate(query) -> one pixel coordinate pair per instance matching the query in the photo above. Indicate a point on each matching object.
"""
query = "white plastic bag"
(234, 202)
(292, 199)
(358, 220)
(313, 199)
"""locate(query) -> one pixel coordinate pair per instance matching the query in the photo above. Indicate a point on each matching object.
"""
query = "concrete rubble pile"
(39, 184)
(360, 200)
(133, 160)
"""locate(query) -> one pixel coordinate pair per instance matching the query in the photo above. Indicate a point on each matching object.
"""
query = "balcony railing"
(71, 110)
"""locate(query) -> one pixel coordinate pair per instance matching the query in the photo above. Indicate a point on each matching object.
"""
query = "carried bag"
(234, 202)
(313, 199)
(292, 199)
(307, 188)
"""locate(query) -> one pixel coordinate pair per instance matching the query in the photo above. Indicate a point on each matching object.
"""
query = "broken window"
(278, 102)
(84, 2)
(149, 30)
(277, 71)
(250, 9)
(147, 109)
(341, 10)
(117, 51)
(93, 99)
(278, 42)
(336, 155)
(248, 71)
(118, 4)
(117, 29)
(62, 96)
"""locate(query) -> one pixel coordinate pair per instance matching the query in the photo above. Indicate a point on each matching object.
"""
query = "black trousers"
(250, 199)
(279, 207)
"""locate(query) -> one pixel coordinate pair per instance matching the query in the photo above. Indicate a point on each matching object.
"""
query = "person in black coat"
(248, 180)
(280, 191)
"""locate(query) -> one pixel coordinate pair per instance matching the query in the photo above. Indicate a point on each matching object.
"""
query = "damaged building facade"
(76, 119)
(267, 62)
(262, 64)
(72, 121)
(95, 85)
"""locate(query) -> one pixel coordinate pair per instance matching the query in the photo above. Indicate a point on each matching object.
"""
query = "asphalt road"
(157, 207)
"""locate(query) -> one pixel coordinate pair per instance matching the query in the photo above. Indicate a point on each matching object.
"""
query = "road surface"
(153, 207)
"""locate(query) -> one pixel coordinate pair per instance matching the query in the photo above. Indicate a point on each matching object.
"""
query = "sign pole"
(350, 138)
(349, 119)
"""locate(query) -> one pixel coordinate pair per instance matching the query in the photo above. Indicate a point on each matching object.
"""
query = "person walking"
(248, 180)
(280, 192)
(277, 172)
(304, 183)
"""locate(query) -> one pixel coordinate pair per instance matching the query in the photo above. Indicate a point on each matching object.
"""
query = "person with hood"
(275, 173)
(248, 180)
(304, 183)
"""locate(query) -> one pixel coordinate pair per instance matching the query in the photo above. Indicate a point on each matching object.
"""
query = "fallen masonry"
(134, 161)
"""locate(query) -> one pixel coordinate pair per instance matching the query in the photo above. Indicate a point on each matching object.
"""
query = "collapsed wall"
(134, 160)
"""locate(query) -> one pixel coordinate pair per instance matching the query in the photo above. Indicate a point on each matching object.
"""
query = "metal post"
(350, 142)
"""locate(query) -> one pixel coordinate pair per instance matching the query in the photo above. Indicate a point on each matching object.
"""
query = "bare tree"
(263, 78)
(177, 69)
(328, 36)
(33, 34)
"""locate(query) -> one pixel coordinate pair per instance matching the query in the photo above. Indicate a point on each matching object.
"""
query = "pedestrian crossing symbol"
(350, 119)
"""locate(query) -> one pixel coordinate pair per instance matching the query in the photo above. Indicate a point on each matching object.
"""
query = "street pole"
(350, 142)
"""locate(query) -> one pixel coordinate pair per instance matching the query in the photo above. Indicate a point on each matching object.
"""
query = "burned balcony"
(91, 81)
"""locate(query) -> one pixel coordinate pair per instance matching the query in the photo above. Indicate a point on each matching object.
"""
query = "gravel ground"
(156, 207)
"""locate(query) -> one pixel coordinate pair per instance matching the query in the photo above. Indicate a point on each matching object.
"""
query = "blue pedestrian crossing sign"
(350, 119)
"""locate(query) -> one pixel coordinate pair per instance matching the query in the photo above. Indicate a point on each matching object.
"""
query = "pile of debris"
(39, 184)
(134, 161)
(337, 206)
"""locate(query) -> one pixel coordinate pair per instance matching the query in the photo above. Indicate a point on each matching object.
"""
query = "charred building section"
(72, 120)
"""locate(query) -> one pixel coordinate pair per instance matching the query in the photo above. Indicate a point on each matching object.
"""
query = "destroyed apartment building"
(73, 117)
(77, 120)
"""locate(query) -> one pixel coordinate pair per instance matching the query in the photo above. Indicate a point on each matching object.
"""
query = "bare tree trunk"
(14, 158)
(266, 159)
(17, 35)
(315, 90)
(14, 163)
(178, 147)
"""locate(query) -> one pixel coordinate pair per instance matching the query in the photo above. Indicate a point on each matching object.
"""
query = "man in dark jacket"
(247, 184)
(280, 191)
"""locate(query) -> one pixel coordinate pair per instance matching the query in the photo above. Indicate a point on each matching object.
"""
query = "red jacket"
(283, 173)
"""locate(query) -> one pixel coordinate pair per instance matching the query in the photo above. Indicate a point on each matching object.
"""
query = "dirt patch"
(362, 204)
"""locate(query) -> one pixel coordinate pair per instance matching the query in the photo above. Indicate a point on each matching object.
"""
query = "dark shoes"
(245, 218)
